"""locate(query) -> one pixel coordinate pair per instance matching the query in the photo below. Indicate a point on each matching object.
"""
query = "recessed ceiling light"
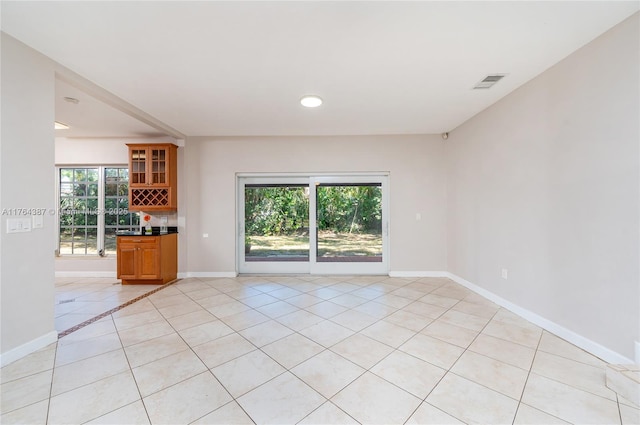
(60, 126)
(311, 101)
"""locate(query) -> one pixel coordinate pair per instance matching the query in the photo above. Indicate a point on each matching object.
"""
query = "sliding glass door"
(274, 225)
(350, 225)
(315, 224)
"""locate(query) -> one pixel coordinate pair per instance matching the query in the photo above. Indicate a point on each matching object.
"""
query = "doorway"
(319, 224)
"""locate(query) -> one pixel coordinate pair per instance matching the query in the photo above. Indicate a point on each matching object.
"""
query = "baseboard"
(183, 275)
(417, 274)
(578, 340)
(210, 274)
(85, 274)
(28, 348)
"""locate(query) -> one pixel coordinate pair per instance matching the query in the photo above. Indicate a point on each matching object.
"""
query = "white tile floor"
(311, 350)
(80, 299)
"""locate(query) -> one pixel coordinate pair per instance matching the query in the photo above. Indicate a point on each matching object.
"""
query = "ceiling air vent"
(489, 81)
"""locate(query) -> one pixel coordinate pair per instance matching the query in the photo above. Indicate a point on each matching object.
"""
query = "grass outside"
(80, 245)
(330, 244)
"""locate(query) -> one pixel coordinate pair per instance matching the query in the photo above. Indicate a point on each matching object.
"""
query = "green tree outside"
(275, 211)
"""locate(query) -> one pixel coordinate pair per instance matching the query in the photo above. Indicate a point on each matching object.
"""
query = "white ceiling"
(90, 117)
(240, 68)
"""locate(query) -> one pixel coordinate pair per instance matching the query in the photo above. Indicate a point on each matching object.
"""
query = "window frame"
(101, 225)
(312, 267)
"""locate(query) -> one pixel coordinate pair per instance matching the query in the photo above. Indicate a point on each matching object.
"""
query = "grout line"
(113, 310)
(208, 370)
(619, 408)
(327, 401)
(447, 371)
(53, 371)
(524, 387)
(132, 376)
(573, 386)
(572, 359)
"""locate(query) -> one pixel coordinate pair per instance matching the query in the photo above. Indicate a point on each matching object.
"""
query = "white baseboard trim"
(401, 273)
(210, 274)
(85, 274)
(586, 344)
(182, 275)
(28, 348)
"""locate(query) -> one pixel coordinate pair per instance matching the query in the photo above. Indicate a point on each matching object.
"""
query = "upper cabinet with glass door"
(153, 177)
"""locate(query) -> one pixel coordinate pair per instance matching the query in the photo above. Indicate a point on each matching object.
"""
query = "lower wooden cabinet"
(147, 259)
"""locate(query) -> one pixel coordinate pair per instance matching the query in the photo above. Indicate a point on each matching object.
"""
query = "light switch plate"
(38, 221)
(18, 225)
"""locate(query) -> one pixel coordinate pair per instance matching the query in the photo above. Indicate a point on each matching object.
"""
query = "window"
(93, 205)
(116, 207)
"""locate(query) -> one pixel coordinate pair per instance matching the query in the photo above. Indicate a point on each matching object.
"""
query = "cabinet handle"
(137, 240)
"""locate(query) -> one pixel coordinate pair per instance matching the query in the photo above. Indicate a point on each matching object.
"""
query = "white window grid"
(93, 204)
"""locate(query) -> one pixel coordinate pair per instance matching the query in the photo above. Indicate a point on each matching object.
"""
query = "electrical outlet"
(505, 274)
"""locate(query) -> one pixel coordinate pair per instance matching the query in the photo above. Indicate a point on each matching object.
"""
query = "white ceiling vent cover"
(489, 81)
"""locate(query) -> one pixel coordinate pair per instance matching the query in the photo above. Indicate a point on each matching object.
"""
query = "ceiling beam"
(92, 89)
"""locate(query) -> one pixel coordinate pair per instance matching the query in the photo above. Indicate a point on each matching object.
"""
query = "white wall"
(545, 183)
(417, 185)
(91, 151)
(97, 151)
(26, 181)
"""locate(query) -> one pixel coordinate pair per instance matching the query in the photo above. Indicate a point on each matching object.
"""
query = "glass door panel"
(138, 166)
(158, 166)
(275, 228)
(349, 222)
(351, 225)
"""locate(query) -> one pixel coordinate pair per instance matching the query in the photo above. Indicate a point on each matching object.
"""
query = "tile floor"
(311, 350)
(80, 299)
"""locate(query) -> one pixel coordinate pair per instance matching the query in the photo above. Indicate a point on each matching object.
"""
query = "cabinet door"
(158, 166)
(138, 166)
(127, 261)
(149, 262)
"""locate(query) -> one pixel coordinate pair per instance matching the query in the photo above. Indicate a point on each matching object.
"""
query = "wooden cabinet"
(147, 259)
(153, 177)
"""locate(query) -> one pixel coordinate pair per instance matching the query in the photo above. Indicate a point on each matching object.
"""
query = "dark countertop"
(155, 231)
